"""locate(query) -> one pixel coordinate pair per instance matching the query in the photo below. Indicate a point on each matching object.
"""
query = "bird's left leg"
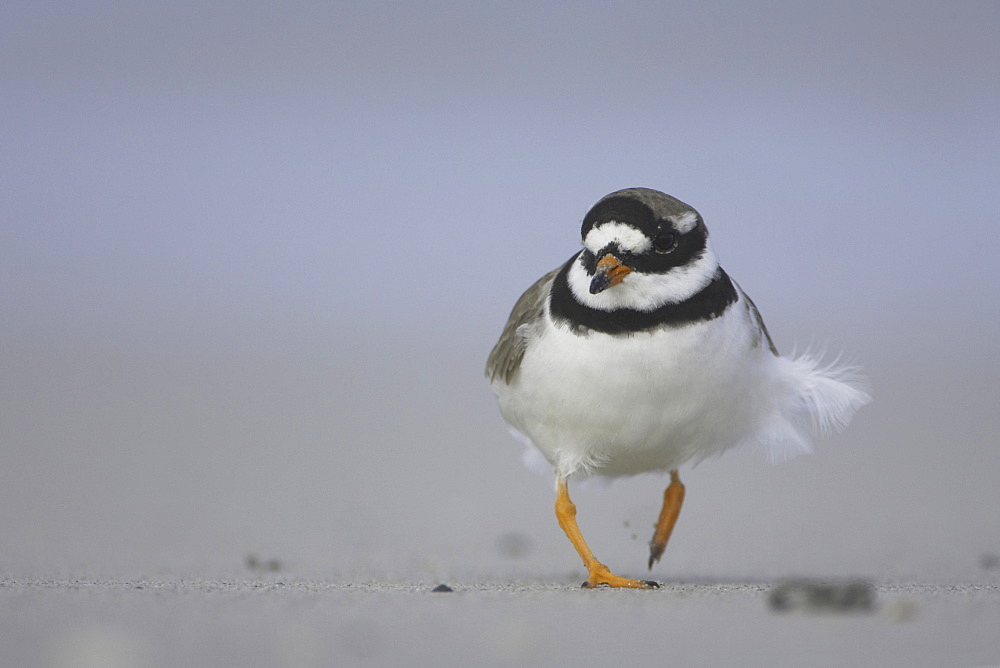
(673, 497)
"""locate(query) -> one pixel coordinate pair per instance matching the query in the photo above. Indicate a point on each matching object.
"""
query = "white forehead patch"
(627, 237)
(686, 222)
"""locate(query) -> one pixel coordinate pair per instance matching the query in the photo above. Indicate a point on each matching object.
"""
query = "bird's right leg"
(598, 575)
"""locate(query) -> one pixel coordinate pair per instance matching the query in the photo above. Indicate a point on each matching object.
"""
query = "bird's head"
(642, 249)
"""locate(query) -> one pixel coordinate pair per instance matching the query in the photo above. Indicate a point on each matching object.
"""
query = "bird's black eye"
(665, 242)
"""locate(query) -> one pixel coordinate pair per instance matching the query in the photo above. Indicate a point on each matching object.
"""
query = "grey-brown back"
(506, 355)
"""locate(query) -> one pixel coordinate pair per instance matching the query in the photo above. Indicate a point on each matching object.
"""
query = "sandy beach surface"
(180, 529)
(293, 622)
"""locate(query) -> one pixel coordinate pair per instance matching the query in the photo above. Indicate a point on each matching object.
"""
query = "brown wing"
(507, 353)
(757, 319)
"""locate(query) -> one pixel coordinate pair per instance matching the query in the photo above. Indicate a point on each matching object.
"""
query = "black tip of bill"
(600, 282)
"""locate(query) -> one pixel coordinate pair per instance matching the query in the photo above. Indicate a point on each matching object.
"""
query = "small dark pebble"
(819, 596)
(442, 588)
(254, 564)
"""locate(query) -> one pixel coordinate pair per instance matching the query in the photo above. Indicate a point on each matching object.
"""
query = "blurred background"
(253, 257)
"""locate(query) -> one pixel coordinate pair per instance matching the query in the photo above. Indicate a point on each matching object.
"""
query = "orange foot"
(601, 576)
(673, 497)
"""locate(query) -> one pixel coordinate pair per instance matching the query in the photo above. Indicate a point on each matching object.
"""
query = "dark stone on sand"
(821, 596)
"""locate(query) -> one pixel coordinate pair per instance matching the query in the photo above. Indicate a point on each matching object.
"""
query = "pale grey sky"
(351, 159)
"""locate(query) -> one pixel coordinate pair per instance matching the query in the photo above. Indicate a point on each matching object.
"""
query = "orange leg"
(598, 574)
(672, 500)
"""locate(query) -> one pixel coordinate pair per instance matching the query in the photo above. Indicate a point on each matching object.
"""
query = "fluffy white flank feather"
(813, 399)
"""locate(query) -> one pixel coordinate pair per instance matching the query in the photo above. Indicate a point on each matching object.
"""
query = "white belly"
(624, 405)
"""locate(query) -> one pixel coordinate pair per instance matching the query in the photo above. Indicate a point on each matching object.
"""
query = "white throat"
(645, 292)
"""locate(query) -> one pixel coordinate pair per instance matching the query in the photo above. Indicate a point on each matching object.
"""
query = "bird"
(640, 354)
